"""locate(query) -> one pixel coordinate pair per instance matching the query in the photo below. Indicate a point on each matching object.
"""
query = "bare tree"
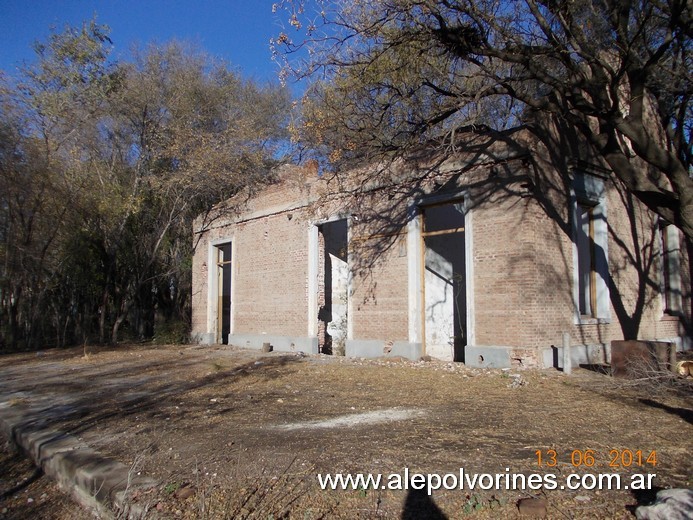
(392, 74)
(189, 133)
(37, 187)
(104, 167)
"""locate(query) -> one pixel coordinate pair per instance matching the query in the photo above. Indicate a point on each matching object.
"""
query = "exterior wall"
(507, 282)
(525, 278)
(270, 270)
(634, 272)
(520, 266)
(379, 300)
(273, 251)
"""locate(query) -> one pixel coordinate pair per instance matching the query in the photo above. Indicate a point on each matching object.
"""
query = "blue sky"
(235, 30)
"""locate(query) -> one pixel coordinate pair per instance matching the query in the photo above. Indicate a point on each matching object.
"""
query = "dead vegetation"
(649, 377)
(213, 422)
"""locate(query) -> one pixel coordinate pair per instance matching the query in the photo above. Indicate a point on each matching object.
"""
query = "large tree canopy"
(391, 74)
(103, 167)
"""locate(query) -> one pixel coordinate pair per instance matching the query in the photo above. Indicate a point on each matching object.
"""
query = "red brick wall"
(271, 269)
(522, 260)
(380, 293)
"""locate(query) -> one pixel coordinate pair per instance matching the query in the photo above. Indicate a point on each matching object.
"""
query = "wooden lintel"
(442, 232)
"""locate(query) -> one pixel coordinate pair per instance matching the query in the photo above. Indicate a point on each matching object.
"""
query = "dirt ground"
(26, 493)
(232, 433)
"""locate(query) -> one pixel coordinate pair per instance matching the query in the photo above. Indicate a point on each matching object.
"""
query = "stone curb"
(96, 482)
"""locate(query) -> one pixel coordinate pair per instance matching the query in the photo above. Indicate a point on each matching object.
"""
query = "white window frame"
(415, 267)
(589, 190)
(313, 269)
(669, 236)
(213, 285)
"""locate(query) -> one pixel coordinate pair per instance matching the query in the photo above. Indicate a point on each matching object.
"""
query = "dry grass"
(208, 419)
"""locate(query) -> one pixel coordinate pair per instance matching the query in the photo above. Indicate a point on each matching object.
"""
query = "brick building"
(487, 256)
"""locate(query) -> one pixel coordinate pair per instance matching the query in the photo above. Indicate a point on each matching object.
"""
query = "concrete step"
(98, 483)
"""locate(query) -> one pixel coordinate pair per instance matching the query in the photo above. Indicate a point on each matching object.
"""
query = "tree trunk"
(58, 319)
(65, 328)
(13, 326)
(116, 325)
(102, 317)
(688, 319)
(123, 313)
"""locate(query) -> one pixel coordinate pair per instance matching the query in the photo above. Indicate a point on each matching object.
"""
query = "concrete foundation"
(279, 343)
(203, 338)
(377, 348)
(482, 356)
(599, 354)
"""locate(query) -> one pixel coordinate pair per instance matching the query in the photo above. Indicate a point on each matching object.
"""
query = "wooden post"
(567, 363)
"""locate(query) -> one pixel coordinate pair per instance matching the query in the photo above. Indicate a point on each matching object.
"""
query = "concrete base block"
(681, 343)
(599, 354)
(279, 343)
(374, 348)
(483, 356)
(203, 338)
(686, 343)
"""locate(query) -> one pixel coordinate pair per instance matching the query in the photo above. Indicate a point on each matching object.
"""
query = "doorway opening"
(223, 261)
(333, 287)
(445, 288)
